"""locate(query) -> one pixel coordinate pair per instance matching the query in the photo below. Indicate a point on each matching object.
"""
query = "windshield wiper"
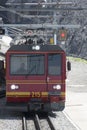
(32, 69)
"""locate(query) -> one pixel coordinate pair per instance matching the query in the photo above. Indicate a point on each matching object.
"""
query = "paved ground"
(76, 96)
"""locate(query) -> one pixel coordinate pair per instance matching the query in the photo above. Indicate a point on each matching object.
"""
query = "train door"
(54, 77)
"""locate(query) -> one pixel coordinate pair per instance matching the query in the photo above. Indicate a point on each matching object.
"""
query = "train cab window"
(18, 64)
(54, 64)
(31, 64)
(36, 63)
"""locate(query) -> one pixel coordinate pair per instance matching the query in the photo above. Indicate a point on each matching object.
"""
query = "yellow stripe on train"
(27, 94)
(32, 94)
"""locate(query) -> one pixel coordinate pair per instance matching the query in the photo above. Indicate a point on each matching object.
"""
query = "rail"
(38, 123)
(24, 123)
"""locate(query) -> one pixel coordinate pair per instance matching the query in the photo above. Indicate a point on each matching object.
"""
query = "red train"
(35, 77)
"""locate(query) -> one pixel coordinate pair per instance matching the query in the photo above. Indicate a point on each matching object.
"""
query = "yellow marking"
(26, 81)
(63, 94)
(34, 82)
(17, 93)
(56, 83)
(44, 94)
(17, 96)
(27, 94)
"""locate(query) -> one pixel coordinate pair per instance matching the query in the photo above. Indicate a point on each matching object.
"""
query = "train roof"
(32, 48)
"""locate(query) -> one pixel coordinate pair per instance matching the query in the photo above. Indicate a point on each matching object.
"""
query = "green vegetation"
(77, 59)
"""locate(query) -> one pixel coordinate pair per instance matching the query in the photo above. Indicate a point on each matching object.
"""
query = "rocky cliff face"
(76, 43)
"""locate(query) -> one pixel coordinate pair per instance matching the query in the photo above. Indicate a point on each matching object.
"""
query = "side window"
(54, 64)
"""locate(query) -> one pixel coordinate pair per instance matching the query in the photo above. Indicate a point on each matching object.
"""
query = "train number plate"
(35, 94)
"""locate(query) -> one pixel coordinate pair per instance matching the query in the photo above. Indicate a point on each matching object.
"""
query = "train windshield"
(31, 64)
(54, 64)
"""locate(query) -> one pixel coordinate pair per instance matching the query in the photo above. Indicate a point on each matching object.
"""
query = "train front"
(35, 78)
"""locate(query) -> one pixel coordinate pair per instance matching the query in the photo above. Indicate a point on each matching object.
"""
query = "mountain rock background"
(76, 43)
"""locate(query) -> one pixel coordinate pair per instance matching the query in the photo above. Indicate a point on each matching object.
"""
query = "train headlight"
(57, 87)
(13, 87)
(37, 47)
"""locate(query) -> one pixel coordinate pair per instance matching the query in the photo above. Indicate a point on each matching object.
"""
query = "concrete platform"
(76, 95)
(76, 109)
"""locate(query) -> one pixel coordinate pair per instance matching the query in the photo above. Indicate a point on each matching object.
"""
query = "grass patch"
(77, 59)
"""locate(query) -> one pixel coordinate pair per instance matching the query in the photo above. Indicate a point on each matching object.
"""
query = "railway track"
(37, 122)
